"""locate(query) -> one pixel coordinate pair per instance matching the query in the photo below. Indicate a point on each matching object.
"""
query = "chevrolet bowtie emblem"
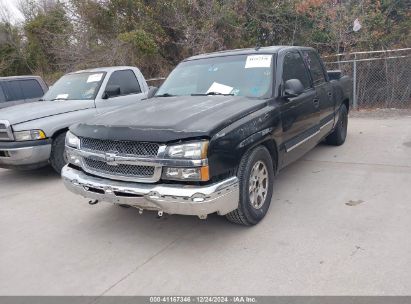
(110, 159)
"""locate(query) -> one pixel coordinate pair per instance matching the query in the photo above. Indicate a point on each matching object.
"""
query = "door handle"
(316, 103)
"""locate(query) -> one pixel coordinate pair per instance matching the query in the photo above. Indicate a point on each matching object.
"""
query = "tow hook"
(160, 213)
(92, 202)
(140, 211)
(203, 217)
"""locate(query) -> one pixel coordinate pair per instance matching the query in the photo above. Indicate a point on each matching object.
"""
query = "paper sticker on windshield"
(258, 61)
(94, 77)
(219, 88)
(62, 96)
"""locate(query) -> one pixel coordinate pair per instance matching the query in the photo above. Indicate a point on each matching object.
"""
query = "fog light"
(73, 159)
(192, 174)
(173, 173)
(198, 198)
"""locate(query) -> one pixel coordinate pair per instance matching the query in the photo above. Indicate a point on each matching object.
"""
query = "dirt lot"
(339, 224)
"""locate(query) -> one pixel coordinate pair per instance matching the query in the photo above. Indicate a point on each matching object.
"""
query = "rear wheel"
(256, 176)
(58, 158)
(338, 136)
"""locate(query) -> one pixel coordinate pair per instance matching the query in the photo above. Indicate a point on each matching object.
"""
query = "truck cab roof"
(106, 69)
(20, 77)
(249, 51)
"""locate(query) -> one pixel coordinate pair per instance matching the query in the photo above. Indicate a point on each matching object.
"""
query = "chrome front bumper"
(25, 157)
(221, 197)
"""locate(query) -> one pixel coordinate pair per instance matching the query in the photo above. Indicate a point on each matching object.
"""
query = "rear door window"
(2, 96)
(294, 68)
(31, 89)
(126, 80)
(315, 67)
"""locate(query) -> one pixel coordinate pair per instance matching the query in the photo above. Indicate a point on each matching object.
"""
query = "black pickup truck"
(214, 135)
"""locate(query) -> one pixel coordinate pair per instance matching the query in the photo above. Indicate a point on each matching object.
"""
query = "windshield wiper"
(211, 93)
(165, 95)
(59, 99)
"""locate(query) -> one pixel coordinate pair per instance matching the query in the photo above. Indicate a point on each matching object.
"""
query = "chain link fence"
(381, 79)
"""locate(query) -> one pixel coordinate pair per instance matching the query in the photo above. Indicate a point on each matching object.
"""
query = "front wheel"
(58, 158)
(256, 176)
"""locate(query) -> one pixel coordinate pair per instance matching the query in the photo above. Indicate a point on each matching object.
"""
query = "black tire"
(338, 136)
(58, 158)
(246, 214)
(124, 206)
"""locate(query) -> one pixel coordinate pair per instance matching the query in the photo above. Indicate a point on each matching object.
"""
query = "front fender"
(52, 124)
(229, 145)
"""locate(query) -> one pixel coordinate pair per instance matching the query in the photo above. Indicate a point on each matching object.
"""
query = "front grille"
(4, 132)
(120, 170)
(120, 147)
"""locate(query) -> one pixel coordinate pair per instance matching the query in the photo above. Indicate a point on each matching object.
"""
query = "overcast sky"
(11, 6)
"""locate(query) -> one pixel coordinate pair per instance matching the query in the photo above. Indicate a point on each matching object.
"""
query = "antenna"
(258, 46)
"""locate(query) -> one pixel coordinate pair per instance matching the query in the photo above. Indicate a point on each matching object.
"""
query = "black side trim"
(301, 137)
(24, 144)
(326, 119)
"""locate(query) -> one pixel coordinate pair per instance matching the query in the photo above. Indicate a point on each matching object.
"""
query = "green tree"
(12, 61)
(48, 35)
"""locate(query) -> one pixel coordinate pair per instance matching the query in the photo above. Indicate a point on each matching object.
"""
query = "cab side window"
(2, 96)
(294, 68)
(31, 89)
(126, 80)
(12, 90)
(315, 67)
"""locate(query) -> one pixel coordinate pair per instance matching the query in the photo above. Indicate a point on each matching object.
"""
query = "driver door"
(299, 115)
(129, 90)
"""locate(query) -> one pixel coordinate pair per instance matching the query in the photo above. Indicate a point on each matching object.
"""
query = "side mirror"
(334, 74)
(293, 88)
(111, 91)
(151, 92)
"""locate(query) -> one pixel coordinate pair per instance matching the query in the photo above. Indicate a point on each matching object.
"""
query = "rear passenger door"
(323, 88)
(299, 115)
(129, 89)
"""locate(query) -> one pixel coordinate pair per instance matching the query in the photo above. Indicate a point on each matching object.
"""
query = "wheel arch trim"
(262, 138)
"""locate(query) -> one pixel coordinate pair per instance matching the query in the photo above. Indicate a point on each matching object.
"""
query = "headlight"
(194, 150)
(187, 174)
(188, 151)
(29, 135)
(72, 140)
(73, 158)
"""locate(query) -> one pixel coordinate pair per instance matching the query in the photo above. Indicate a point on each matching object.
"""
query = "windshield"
(77, 86)
(240, 75)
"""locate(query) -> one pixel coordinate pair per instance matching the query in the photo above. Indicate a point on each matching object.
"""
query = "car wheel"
(58, 158)
(338, 136)
(256, 177)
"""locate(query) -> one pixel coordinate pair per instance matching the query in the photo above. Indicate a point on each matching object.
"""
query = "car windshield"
(239, 75)
(76, 86)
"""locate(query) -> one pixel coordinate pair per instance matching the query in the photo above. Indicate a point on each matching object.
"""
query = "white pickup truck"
(32, 135)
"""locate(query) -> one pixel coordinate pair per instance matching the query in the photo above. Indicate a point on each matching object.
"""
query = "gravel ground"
(339, 224)
(381, 113)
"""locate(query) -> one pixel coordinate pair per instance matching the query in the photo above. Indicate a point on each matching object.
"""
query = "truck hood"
(40, 109)
(165, 119)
